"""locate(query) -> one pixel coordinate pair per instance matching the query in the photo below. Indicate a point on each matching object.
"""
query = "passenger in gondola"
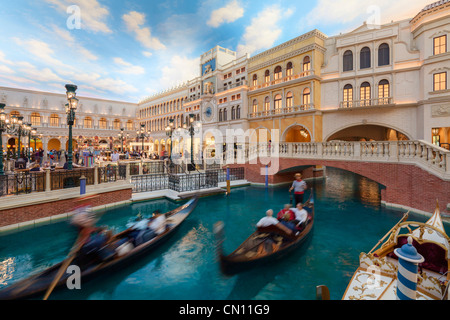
(146, 229)
(268, 220)
(301, 215)
(286, 217)
(159, 223)
(96, 243)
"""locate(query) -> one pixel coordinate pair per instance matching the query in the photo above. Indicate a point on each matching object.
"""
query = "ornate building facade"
(388, 82)
(98, 122)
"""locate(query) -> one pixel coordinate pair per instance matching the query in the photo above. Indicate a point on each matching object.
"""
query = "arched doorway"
(368, 133)
(54, 144)
(74, 144)
(297, 133)
(36, 144)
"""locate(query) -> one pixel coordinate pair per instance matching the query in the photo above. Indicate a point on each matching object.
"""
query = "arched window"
(54, 120)
(278, 104)
(88, 123)
(238, 112)
(289, 100)
(255, 106)
(365, 95)
(224, 114)
(117, 124)
(383, 55)
(383, 92)
(35, 119)
(364, 58)
(267, 76)
(289, 69)
(306, 64)
(278, 73)
(306, 96)
(233, 113)
(348, 96)
(348, 61)
(102, 123)
(130, 125)
(255, 80)
(267, 104)
(220, 115)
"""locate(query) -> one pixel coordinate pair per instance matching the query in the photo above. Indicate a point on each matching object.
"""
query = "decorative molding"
(287, 56)
(440, 111)
(313, 33)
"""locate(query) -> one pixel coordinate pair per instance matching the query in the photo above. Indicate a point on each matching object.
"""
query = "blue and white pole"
(408, 261)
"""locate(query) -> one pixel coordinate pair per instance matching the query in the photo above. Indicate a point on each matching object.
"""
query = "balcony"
(235, 85)
(366, 103)
(301, 75)
(281, 111)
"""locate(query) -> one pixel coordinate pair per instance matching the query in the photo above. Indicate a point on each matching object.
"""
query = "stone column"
(48, 186)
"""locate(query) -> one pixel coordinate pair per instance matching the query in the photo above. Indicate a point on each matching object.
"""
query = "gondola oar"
(64, 266)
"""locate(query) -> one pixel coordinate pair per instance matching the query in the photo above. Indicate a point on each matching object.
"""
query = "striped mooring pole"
(408, 261)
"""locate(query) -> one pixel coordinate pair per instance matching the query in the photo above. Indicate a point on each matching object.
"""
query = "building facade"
(98, 122)
(387, 82)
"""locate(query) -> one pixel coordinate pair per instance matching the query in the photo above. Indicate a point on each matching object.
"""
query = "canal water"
(349, 220)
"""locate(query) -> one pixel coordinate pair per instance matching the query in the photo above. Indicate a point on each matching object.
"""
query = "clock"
(208, 111)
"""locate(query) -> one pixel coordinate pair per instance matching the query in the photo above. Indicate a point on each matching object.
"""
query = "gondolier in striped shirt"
(299, 186)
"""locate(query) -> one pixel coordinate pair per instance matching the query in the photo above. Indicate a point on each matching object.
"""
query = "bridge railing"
(426, 155)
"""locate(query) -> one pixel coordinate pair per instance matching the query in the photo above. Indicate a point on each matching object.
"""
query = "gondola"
(38, 284)
(377, 275)
(264, 245)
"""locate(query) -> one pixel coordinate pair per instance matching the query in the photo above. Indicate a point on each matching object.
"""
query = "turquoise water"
(349, 220)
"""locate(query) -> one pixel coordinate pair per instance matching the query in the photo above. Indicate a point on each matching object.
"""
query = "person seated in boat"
(286, 217)
(268, 220)
(158, 223)
(286, 214)
(301, 215)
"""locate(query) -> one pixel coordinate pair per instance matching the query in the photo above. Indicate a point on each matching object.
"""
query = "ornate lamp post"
(20, 130)
(142, 135)
(169, 132)
(29, 129)
(3, 126)
(121, 136)
(191, 129)
(34, 136)
(71, 107)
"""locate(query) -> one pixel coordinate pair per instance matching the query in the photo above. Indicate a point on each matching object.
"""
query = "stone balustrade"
(429, 157)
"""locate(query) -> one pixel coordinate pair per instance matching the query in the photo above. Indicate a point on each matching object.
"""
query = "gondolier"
(299, 186)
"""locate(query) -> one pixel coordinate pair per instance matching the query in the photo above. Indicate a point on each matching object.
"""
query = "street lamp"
(71, 107)
(191, 129)
(121, 136)
(169, 132)
(34, 136)
(3, 126)
(29, 129)
(141, 135)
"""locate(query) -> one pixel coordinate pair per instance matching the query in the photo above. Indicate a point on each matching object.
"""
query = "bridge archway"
(368, 132)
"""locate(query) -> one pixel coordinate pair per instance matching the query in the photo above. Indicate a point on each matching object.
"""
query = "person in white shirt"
(268, 220)
(301, 215)
(115, 156)
(158, 225)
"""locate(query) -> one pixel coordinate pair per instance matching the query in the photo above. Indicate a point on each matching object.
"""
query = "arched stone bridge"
(414, 174)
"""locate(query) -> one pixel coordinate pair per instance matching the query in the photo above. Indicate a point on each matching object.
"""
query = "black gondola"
(39, 283)
(265, 244)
